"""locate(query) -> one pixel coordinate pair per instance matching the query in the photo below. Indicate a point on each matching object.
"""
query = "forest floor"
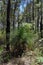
(29, 58)
(26, 60)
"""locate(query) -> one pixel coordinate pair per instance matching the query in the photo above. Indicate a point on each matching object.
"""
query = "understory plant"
(24, 38)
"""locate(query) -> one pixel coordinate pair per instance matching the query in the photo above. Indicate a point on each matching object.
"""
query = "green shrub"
(39, 60)
(27, 34)
(24, 37)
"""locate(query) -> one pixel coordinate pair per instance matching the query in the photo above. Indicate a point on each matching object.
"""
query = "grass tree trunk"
(8, 26)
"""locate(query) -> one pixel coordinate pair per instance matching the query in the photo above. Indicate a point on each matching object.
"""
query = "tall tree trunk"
(18, 20)
(13, 22)
(41, 20)
(8, 26)
(15, 6)
(38, 21)
(33, 15)
(33, 10)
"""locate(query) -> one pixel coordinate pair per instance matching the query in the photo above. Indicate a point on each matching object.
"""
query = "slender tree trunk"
(18, 18)
(8, 26)
(15, 6)
(38, 21)
(33, 16)
(13, 23)
(41, 20)
(33, 11)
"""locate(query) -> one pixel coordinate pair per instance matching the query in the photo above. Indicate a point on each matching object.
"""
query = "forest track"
(27, 59)
(20, 61)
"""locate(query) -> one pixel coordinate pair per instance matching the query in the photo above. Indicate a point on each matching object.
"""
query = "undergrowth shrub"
(23, 38)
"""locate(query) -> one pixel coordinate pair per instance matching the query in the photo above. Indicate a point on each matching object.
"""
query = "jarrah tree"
(8, 26)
